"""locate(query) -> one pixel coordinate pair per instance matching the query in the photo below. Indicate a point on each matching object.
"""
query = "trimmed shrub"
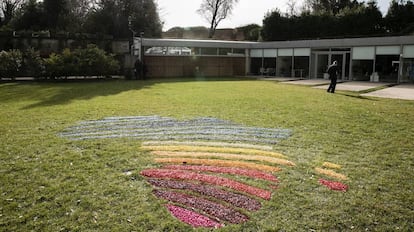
(90, 61)
(10, 63)
(33, 64)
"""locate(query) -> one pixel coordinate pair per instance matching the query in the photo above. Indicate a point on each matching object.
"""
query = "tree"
(57, 14)
(332, 7)
(119, 18)
(214, 11)
(360, 20)
(291, 7)
(400, 17)
(8, 9)
(30, 17)
(251, 32)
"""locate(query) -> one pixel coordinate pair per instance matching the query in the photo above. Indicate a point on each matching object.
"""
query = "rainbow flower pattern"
(207, 167)
(203, 180)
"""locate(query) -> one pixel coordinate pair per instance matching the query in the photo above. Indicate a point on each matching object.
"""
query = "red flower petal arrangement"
(208, 179)
(192, 218)
(235, 199)
(199, 194)
(332, 185)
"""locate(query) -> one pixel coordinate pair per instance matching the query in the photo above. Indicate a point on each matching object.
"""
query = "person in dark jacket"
(333, 76)
(138, 69)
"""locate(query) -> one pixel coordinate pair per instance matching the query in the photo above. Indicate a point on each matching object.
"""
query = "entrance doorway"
(324, 58)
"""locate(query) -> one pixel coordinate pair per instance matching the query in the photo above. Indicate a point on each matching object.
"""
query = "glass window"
(208, 51)
(387, 67)
(363, 53)
(362, 69)
(408, 71)
(284, 66)
(238, 52)
(256, 53)
(388, 50)
(225, 51)
(285, 52)
(409, 51)
(302, 51)
(255, 65)
(269, 67)
(270, 53)
(301, 68)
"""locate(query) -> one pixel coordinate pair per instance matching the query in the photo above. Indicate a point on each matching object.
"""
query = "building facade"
(385, 59)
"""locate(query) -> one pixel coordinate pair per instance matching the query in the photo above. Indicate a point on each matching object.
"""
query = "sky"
(183, 13)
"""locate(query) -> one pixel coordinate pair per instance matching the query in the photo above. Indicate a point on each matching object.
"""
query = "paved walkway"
(404, 91)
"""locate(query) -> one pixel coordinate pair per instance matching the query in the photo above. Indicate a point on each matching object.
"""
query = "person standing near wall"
(333, 76)
(138, 69)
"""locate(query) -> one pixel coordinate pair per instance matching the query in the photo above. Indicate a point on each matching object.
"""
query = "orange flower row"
(331, 173)
(246, 151)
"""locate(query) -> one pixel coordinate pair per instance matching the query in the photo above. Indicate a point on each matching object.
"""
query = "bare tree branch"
(215, 11)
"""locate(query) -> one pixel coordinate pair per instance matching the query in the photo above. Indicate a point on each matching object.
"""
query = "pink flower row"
(337, 186)
(192, 218)
(215, 180)
(213, 209)
(228, 170)
(234, 199)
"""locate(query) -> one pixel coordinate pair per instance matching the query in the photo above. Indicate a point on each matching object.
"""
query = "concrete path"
(404, 91)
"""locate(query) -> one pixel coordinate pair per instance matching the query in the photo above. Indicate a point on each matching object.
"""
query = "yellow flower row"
(207, 144)
(215, 149)
(331, 173)
(222, 163)
(331, 165)
(225, 156)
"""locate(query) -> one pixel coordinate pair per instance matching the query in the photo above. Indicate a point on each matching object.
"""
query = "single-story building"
(385, 59)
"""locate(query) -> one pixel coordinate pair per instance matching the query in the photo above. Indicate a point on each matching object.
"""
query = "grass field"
(50, 183)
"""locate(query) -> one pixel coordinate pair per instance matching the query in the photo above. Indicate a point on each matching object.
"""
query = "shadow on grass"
(356, 96)
(63, 92)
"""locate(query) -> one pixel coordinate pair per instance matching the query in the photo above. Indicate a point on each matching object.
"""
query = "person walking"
(333, 76)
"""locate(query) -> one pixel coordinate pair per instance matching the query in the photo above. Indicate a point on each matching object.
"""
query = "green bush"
(33, 64)
(10, 63)
(90, 61)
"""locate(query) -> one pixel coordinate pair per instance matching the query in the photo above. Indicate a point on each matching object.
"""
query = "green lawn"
(49, 183)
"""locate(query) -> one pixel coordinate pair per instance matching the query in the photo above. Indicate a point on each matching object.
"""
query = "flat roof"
(315, 43)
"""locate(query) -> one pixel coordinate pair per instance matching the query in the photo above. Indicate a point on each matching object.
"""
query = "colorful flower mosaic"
(202, 161)
(194, 168)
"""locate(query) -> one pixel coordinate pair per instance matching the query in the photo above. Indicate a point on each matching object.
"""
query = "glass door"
(322, 63)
